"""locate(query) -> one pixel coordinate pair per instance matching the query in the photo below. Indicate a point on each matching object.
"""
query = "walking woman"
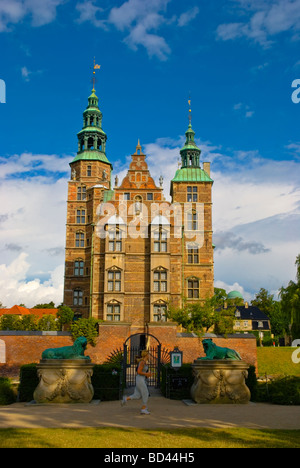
(141, 389)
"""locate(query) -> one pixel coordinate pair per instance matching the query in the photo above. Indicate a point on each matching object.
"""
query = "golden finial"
(190, 110)
(96, 67)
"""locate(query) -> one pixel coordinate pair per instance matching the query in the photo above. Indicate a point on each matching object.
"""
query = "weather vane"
(190, 110)
(96, 67)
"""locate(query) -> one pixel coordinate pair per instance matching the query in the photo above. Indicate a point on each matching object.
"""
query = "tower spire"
(96, 67)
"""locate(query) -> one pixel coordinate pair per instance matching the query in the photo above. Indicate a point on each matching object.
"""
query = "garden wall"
(18, 348)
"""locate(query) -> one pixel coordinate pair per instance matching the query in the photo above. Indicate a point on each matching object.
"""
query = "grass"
(276, 361)
(135, 438)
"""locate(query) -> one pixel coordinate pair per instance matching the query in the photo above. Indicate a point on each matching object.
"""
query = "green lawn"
(134, 438)
(276, 361)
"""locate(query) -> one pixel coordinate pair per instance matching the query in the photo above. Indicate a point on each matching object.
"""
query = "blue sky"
(236, 59)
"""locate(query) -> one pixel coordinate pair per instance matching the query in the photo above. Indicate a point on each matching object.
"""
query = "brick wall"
(27, 347)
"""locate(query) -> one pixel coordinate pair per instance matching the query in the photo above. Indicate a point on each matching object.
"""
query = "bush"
(251, 382)
(106, 381)
(280, 391)
(28, 382)
(7, 394)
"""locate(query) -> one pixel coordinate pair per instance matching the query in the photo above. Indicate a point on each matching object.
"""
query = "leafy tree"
(48, 322)
(65, 315)
(199, 317)
(290, 302)
(49, 305)
(85, 327)
(10, 322)
(29, 322)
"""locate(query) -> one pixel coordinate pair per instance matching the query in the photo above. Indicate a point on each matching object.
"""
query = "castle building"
(129, 252)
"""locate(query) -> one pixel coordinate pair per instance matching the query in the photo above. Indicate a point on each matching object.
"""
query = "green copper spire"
(92, 139)
(190, 153)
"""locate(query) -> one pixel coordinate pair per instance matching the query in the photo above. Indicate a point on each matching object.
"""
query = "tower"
(89, 185)
(192, 188)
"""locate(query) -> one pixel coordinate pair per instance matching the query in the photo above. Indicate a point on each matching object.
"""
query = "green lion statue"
(213, 351)
(68, 352)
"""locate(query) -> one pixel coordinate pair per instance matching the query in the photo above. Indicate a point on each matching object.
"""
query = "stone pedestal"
(220, 381)
(64, 381)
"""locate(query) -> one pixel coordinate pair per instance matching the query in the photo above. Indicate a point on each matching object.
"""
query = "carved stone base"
(220, 381)
(64, 381)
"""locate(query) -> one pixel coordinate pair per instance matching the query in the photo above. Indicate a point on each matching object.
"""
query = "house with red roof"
(20, 310)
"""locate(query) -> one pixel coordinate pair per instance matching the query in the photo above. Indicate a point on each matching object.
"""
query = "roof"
(251, 313)
(92, 155)
(191, 174)
(19, 310)
(234, 295)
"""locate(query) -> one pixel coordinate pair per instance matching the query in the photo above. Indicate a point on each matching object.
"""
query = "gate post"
(125, 364)
(158, 365)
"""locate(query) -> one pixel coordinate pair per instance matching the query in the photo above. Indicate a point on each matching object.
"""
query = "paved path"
(165, 414)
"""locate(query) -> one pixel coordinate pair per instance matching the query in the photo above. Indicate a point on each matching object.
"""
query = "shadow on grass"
(137, 438)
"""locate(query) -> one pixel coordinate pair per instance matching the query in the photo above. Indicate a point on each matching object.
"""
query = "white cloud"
(17, 289)
(266, 19)
(41, 12)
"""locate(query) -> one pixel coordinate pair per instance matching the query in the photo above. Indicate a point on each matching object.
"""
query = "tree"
(290, 302)
(199, 317)
(65, 315)
(273, 309)
(49, 305)
(85, 327)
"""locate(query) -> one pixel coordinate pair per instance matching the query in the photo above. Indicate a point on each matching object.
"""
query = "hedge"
(7, 394)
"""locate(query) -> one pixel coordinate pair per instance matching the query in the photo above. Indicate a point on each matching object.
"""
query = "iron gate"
(132, 352)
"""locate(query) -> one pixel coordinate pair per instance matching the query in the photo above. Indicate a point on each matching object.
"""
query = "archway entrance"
(132, 349)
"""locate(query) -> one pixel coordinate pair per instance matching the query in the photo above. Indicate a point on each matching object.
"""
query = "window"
(80, 217)
(113, 312)
(159, 313)
(193, 289)
(160, 281)
(192, 221)
(126, 196)
(193, 254)
(150, 196)
(192, 194)
(115, 241)
(160, 240)
(78, 268)
(77, 297)
(114, 280)
(81, 193)
(79, 241)
(89, 169)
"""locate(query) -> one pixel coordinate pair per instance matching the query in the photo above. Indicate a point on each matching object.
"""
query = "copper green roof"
(191, 174)
(92, 155)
